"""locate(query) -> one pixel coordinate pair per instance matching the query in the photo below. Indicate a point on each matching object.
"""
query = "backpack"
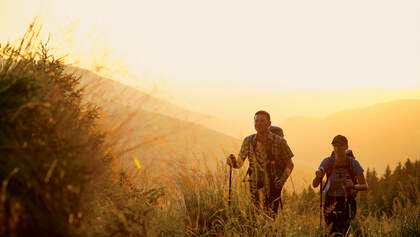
(348, 166)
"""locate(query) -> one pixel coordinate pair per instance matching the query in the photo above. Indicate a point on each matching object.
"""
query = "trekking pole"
(349, 229)
(293, 185)
(347, 193)
(320, 204)
(230, 184)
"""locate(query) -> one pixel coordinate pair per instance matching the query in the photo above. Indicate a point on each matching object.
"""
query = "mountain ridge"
(98, 86)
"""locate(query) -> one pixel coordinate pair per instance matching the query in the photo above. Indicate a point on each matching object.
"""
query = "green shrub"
(51, 148)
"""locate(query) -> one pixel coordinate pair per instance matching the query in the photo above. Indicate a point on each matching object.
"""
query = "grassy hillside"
(71, 168)
(51, 145)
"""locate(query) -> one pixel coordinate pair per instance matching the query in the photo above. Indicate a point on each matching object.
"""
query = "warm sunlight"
(209, 118)
(225, 52)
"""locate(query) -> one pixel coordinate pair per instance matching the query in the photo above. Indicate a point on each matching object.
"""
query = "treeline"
(395, 189)
(390, 206)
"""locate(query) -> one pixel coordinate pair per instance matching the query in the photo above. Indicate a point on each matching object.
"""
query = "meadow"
(64, 173)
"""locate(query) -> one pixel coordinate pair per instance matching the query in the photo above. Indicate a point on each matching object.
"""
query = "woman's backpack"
(348, 166)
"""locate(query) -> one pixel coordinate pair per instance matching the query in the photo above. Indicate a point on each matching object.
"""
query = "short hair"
(264, 113)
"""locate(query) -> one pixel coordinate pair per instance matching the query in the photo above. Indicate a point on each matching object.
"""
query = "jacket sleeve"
(243, 153)
(324, 166)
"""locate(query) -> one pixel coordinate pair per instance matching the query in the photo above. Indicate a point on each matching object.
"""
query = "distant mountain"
(105, 90)
(379, 135)
(152, 129)
(237, 104)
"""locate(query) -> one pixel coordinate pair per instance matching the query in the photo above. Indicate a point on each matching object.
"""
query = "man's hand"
(280, 181)
(231, 160)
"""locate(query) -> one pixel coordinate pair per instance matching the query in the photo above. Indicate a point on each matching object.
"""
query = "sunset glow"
(230, 48)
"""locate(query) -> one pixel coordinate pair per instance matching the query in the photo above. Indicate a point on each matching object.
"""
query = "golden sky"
(226, 51)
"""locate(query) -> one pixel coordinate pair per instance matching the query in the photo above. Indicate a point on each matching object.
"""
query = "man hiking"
(275, 191)
(269, 161)
(344, 179)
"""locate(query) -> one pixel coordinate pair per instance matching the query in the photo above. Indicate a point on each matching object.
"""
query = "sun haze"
(231, 58)
(262, 46)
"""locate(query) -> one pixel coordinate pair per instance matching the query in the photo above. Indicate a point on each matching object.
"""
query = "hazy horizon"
(230, 58)
(282, 106)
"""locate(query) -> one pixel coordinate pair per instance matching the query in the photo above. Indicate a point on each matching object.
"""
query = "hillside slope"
(102, 89)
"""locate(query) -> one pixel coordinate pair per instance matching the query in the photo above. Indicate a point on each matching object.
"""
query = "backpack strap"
(271, 163)
(348, 166)
(329, 169)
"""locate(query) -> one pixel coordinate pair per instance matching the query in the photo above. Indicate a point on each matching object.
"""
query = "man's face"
(261, 123)
(340, 149)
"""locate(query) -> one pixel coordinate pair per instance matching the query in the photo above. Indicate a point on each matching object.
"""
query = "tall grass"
(60, 173)
(200, 209)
